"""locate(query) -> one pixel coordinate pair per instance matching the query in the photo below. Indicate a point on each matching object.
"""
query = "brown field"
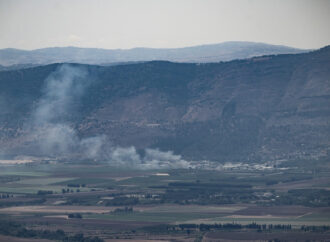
(149, 217)
(55, 209)
(102, 209)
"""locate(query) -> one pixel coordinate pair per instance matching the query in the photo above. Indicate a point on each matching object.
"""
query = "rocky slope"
(259, 109)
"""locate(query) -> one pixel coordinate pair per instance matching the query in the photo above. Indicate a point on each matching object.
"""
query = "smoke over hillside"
(270, 108)
(61, 90)
(55, 136)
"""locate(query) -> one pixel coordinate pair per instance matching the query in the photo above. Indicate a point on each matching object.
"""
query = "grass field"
(23, 173)
(151, 217)
(43, 181)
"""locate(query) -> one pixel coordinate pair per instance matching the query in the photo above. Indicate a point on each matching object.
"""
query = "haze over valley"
(216, 129)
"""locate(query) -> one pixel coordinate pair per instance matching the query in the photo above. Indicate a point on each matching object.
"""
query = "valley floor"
(67, 200)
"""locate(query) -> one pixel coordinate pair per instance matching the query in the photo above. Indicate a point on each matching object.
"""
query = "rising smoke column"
(50, 119)
(55, 135)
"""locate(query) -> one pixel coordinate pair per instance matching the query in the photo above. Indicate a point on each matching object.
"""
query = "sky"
(123, 24)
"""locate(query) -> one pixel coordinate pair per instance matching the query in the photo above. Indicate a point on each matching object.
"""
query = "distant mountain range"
(197, 54)
(265, 108)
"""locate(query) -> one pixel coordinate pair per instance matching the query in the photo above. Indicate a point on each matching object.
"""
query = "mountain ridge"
(201, 53)
(265, 108)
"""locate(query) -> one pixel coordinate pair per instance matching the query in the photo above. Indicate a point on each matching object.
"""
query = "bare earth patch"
(56, 209)
(15, 162)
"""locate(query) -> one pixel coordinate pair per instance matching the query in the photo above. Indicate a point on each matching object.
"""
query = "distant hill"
(260, 109)
(205, 53)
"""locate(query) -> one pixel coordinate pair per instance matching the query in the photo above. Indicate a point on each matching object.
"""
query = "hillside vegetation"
(258, 109)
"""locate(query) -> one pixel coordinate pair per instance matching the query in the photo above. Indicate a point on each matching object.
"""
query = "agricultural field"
(113, 203)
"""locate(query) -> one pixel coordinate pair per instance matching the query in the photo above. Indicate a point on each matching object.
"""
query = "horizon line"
(165, 48)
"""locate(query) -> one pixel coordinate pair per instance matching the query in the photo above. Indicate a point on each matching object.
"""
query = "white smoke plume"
(61, 93)
(56, 137)
(62, 89)
(125, 157)
(153, 159)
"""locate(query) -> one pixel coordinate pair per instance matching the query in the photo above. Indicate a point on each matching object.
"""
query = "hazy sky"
(31, 24)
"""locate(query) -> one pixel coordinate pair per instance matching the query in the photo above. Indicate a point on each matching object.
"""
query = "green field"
(100, 194)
